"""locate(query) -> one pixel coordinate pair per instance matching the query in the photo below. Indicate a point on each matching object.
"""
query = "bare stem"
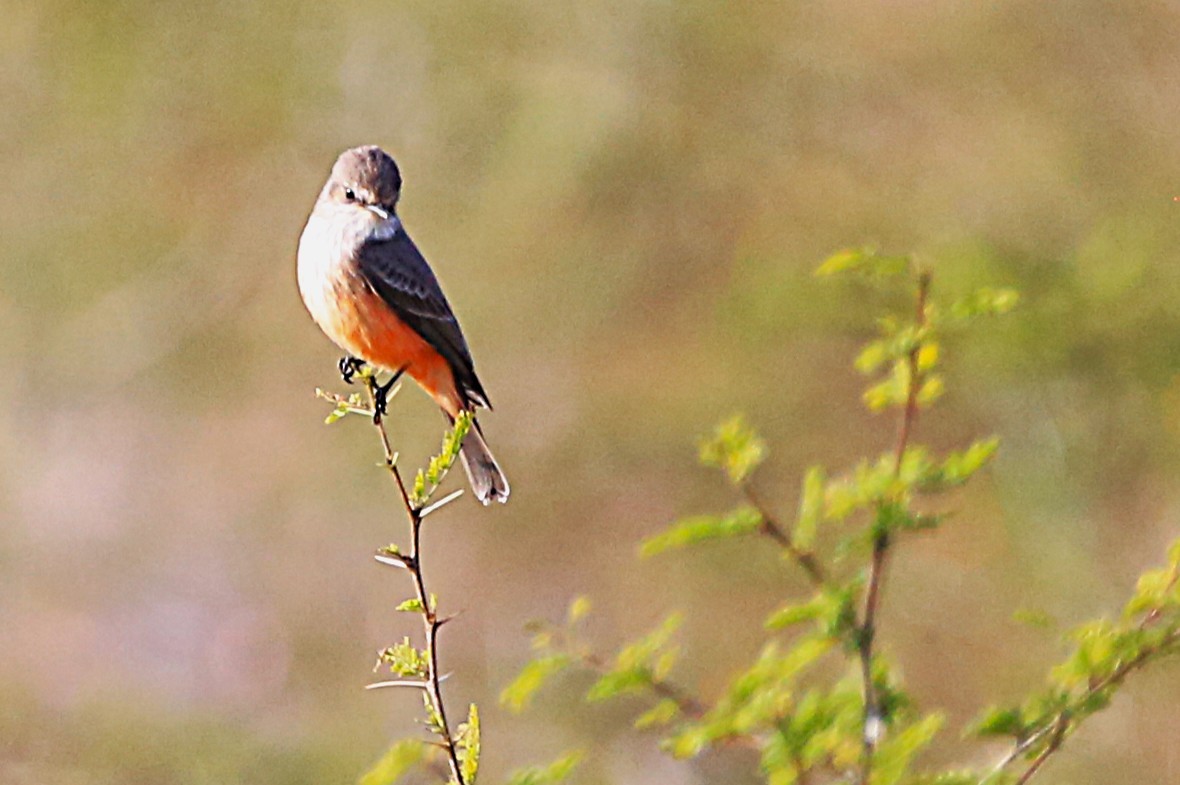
(867, 630)
(431, 623)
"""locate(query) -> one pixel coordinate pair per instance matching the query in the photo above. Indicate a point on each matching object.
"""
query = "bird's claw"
(349, 367)
(381, 395)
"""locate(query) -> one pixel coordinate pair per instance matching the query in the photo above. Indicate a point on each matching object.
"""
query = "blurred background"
(625, 202)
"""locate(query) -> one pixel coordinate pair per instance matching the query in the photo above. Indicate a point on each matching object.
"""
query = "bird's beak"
(378, 211)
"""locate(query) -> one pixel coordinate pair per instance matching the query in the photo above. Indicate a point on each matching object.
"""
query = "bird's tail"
(488, 482)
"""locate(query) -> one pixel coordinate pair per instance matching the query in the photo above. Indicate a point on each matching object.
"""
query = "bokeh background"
(625, 201)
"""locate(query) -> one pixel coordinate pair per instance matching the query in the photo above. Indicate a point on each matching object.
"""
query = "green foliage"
(405, 659)
(896, 753)
(780, 704)
(467, 746)
(811, 508)
(757, 699)
(399, 760)
(519, 693)
(662, 713)
(865, 261)
(833, 609)
(985, 302)
(556, 650)
(699, 528)
(1104, 652)
(640, 664)
(958, 467)
(578, 610)
(344, 407)
(556, 772)
(804, 724)
(428, 480)
(735, 448)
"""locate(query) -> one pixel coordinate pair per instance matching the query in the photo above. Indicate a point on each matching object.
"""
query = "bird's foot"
(381, 395)
(349, 367)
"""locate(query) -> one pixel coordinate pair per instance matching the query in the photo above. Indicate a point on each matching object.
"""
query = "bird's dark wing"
(398, 273)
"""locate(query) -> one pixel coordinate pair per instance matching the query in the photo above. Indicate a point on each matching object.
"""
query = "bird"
(371, 291)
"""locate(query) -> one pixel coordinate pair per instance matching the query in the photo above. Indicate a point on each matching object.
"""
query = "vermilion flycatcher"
(370, 290)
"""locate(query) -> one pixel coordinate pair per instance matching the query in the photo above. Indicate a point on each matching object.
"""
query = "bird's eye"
(350, 194)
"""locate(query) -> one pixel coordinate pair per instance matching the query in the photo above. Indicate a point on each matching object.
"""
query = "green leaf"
(639, 664)
(928, 356)
(405, 660)
(778, 761)
(412, 605)
(433, 719)
(789, 615)
(865, 261)
(1035, 618)
(342, 407)
(398, 761)
(733, 447)
(427, 481)
(864, 487)
(832, 609)
(467, 742)
(1174, 555)
(519, 694)
(662, 713)
(893, 756)
(997, 721)
(811, 508)
(617, 683)
(873, 356)
(985, 302)
(892, 391)
(578, 610)
(931, 390)
(1154, 590)
(899, 341)
(1094, 657)
(700, 528)
(643, 650)
(958, 467)
(557, 771)
(758, 700)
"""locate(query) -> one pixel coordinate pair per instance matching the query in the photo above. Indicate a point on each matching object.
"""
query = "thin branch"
(868, 627)
(1057, 735)
(775, 531)
(431, 623)
(1064, 721)
(688, 705)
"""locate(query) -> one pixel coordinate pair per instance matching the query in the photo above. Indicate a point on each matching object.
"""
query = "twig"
(775, 531)
(688, 705)
(1057, 735)
(1063, 722)
(431, 623)
(868, 627)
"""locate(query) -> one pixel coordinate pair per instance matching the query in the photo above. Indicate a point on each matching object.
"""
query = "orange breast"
(365, 326)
